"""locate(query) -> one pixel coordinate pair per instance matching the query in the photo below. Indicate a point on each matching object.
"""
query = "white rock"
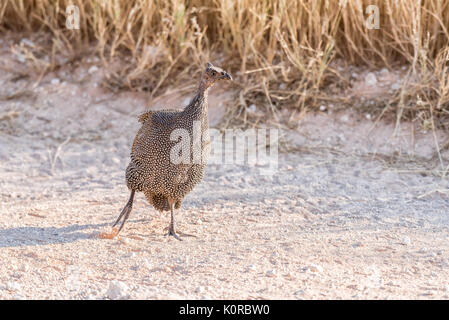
(200, 289)
(252, 108)
(345, 118)
(323, 108)
(299, 293)
(271, 273)
(384, 72)
(395, 86)
(20, 57)
(92, 69)
(315, 268)
(405, 240)
(370, 79)
(117, 290)
(251, 267)
(27, 42)
(368, 116)
(24, 268)
(13, 286)
(55, 81)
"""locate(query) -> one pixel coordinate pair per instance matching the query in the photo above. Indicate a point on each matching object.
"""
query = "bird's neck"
(198, 105)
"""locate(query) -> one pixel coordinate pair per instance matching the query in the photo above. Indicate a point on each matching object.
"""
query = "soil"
(356, 209)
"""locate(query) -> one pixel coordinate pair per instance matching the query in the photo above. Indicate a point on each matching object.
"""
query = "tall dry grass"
(280, 51)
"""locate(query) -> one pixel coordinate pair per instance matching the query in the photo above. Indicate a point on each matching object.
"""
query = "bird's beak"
(227, 76)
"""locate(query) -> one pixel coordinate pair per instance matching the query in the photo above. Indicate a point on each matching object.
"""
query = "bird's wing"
(160, 114)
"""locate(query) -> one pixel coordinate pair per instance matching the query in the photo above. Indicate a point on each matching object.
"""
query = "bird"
(159, 166)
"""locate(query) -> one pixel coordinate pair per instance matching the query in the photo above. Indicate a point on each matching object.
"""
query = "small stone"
(299, 293)
(21, 58)
(117, 290)
(92, 69)
(251, 267)
(200, 289)
(323, 108)
(315, 268)
(55, 81)
(13, 286)
(405, 241)
(368, 116)
(19, 297)
(384, 72)
(370, 79)
(24, 268)
(345, 118)
(27, 42)
(395, 86)
(252, 108)
(271, 273)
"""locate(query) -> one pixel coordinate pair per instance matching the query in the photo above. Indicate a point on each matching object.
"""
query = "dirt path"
(335, 221)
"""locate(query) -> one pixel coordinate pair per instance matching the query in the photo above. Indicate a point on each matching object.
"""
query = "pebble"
(252, 108)
(55, 81)
(345, 118)
(13, 286)
(384, 72)
(405, 241)
(323, 108)
(299, 293)
(92, 69)
(24, 268)
(117, 290)
(395, 86)
(251, 267)
(27, 42)
(200, 289)
(313, 268)
(271, 273)
(20, 57)
(370, 79)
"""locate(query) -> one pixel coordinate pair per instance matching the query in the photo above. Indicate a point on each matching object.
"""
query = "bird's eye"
(213, 73)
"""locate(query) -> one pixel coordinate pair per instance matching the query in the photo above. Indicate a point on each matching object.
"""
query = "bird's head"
(213, 74)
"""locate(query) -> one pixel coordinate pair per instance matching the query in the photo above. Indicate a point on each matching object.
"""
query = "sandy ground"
(350, 214)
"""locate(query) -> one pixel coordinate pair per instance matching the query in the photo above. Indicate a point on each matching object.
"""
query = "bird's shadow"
(38, 236)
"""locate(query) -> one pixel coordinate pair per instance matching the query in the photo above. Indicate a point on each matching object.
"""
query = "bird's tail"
(160, 202)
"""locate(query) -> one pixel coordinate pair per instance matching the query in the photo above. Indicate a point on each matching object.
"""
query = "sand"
(350, 213)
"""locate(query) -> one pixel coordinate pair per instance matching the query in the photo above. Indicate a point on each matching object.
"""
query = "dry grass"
(280, 52)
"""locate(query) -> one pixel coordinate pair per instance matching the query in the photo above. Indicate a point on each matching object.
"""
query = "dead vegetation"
(282, 53)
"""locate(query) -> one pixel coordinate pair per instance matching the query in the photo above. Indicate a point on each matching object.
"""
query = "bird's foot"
(171, 232)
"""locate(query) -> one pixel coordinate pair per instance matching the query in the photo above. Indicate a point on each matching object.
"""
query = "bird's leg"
(125, 212)
(171, 226)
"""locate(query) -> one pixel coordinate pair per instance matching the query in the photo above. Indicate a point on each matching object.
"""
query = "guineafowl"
(155, 168)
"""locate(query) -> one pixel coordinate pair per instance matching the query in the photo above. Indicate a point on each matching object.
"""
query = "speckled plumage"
(151, 170)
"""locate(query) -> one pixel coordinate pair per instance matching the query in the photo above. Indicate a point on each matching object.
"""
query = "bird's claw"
(172, 233)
